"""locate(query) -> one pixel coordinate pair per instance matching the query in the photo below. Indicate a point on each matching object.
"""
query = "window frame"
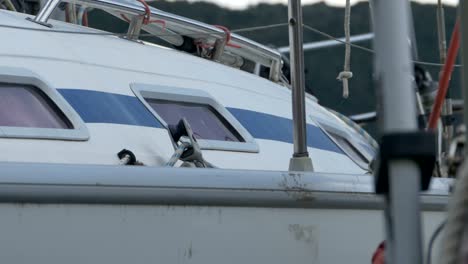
(328, 130)
(185, 95)
(25, 77)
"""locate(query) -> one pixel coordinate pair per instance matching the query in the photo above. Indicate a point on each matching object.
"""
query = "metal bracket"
(40, 23)
(218, 49)
(419, 147)
(44, 14)
(134, 28)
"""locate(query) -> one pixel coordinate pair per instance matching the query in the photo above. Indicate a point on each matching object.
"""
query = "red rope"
(159, 21)
(85, 19)
(124, 17)
(156, 21)
(146, 17)
(67, 15)
(228, 38)
(379, 255)
(200, 44)
(445, 77)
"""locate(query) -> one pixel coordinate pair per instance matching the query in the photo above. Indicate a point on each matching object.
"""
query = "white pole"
(393, 73)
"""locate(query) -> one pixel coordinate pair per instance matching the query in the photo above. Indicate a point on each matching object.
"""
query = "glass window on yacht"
(205, 121)
(214, 127)
(27, 106)
(349, 149)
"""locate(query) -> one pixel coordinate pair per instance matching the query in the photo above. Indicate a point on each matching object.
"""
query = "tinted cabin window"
(205, 121)
(26, 106)
(349, 148)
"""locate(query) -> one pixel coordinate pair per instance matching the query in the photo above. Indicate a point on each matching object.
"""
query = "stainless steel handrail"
(178, 26)
(61, 183)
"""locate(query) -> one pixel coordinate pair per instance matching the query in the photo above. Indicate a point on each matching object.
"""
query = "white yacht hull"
(111, 214)
(87, 233)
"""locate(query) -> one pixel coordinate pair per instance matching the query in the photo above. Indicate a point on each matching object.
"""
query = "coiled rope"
(346, 73)
(457, 219)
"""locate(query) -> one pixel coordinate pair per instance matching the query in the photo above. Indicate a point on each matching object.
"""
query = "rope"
(147, 15)
(84, 19)
(457, 219)
(201, 44)
(346, 73)
(157, 21)
(326, 35)
(432, 240)
(67, 13)
(249, 29)
(228, 36)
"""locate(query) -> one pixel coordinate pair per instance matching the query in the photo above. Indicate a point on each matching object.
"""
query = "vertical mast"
(464, 59)
(393, 70)
(300, 160)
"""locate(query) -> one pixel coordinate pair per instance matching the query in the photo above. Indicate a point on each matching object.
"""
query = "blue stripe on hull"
(266, 126)
(102, 107)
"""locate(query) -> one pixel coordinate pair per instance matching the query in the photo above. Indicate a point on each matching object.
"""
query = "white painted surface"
(110, 64)
(154, 149)
(54, 233)
(272, 157)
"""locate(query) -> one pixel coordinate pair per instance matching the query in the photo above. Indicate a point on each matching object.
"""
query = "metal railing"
(175, 28)
(106, 184)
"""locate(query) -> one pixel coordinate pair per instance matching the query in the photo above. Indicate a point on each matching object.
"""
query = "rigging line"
(207, 35)
(434, 236)
(367, 49)
(435, 64)
(249, 29)
(336, 39)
